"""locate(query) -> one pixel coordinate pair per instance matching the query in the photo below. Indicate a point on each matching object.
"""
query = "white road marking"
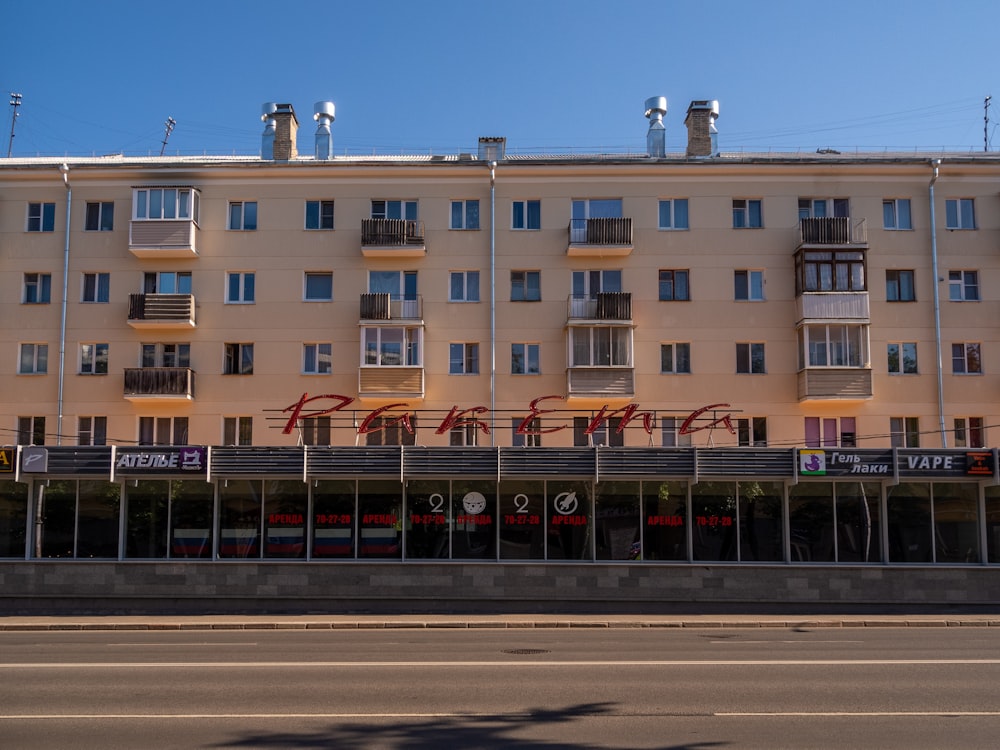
(855, 713)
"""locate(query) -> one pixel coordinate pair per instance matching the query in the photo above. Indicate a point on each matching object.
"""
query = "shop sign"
(820, 463)
(7, 460)
(34, 460)
(971, 463)
(181, 460)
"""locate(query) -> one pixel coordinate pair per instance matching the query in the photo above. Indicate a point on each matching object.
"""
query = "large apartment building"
(414, 357)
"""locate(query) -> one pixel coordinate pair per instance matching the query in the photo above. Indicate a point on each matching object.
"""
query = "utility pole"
(170, 127)
(15, 102)
(986, 123)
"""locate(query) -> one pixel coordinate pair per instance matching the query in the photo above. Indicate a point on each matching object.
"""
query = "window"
(464, 214)
(970, 432)
(960, 213)
(37, 288)
(751, 432)
(318, 286)
(463, 359)
(526, 215)
(904, 432)
(583, 210)
(606, 433)
(92, 431)
(397, 284)
(525, 286)
(157, 204)
(463, 436)
(896, 213)
(240, 287)
(166, 355)
(166, 282)
(238, 360)
(750, 358)
(674, 286)
(41, 217)
(963, 286)
(749, 285)
(31, 430)
(747, 214)
(391, 346)
(899, 286)
(316, 430)
(163, 430)
(317, 359)
(96, 287)
(830, 271)
(588, 284)
(463, 286)
(524, 359)
(833, 346)
(319, 214)
(674, 213)
(526, 439)
(966, 359)
(675, 358)
(93, 359)
(902, 358)
(243, 215)
(601, 346)
(671, 430)
(34, 359)
(237, 430)
(831, 432)
(391, 431)
(394, 210)
(822, 208)
(100, 217)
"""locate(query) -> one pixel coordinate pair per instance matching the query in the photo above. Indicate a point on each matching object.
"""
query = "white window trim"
(305, 286)
(318, 357)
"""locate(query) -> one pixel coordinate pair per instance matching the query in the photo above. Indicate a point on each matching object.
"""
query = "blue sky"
(103, 76)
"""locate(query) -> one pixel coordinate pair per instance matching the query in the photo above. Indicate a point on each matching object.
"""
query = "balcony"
(833, 231)
(163, 239)
(603, 306)
(832, 306)
(385, 306)
(835, 383)
(600, 382)
(600, 238)
(159, 384)
(163, 311)
(391, 382)
(392, 238)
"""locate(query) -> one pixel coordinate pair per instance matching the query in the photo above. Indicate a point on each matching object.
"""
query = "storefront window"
(859, 526)
(713, 509)
(380, 510)
(909, 523)
(522, 520)
(810, 522)
(993, 524)
(665, 519)
(616, 521)
(333, 518)
(569, 518)
(147, 503)
(428, 520)
(13, 518)
(57, 498)
(956, 522)
(97, 522)
(474, 508)
(239, 518)
(760, 521)
(191, 524)
(285, 509)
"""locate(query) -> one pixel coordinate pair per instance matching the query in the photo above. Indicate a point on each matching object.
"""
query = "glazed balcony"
(163, 311)
(385, 306)
(835, 383)
(163, 239)
(833, 306)
(601, 237)
(392, 238)
(391, 382)
(833, 231)
(159, 384)
(601, 382)
(603, 306)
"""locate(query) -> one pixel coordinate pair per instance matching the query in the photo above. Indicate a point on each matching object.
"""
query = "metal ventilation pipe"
(656, 136)
(324, 138)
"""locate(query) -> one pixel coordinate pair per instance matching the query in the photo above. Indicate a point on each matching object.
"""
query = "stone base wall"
(74, 587)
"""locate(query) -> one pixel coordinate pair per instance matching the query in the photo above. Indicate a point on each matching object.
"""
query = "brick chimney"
(703, 138)
(286, 130)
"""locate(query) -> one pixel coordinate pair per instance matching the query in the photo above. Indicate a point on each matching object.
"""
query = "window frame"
(670, 435)
(410, 340)
(41, 217)
(94, 361)
(895, 290)
(246, 290)
(970, 432)
(42, 286)
(966, 358)
(237, 358)
(177, 427)
(469, 282)
(596, 346)
(99, 216)
(957, 218)
(743, 215)
(529, 351)
(99, 293)
(524, 285)
(235, 429)
(186, 203)
(237, 219)
(95, 432)
(530, 214)
(322, 358)
(751, 358)
(324, 275)
(38, 353)
(959, 286)
(749, 274)
(901, 358)
(893, 218)
(463, 358)
(904, 432)
(320, 215)
(667, 208)
(847, 338)
(671, 283)
(751, 432)
(680, 357)
(463, 218)
(388, 204)
(32, 428)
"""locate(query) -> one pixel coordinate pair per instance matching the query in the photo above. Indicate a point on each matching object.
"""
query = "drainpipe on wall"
(64, 170)
(493, 302)
(935, 164)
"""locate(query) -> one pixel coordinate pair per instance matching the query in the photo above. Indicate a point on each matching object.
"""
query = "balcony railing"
(851, 306)
(163, 239)
(605, 233)
(391, 232)
(603, 306)
(161, 310)
(385, 306)
(847, 383)
(391, 382)
(833, 230)
(600, 382)
(150, 383)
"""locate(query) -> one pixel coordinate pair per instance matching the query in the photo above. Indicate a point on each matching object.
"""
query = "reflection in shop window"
(665, 521)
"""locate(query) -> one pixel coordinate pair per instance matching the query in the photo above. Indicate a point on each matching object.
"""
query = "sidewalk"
(423, 621)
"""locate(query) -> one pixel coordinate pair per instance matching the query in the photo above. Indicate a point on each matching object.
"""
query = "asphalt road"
(420, 689)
